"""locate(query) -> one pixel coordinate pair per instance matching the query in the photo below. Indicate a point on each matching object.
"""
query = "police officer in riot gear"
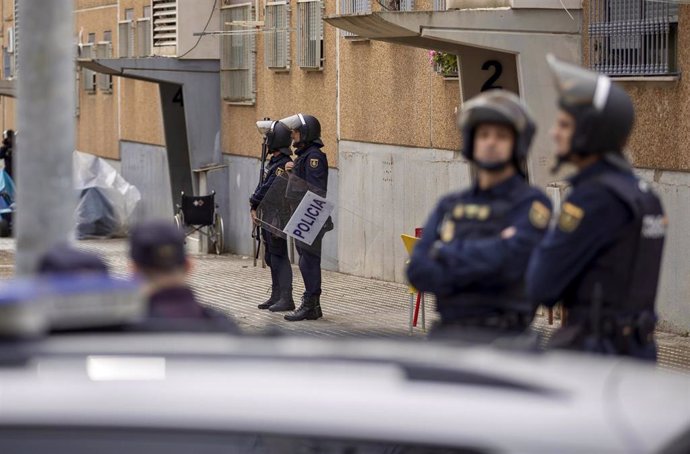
(477, 242)
(311, 166)
(278, 140)
(603, 256)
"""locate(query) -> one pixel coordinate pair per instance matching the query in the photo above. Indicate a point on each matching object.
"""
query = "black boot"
(310, 309)
(275, 297)
(286, 303)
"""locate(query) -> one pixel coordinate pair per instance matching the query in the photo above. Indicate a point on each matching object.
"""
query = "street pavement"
(352, 305)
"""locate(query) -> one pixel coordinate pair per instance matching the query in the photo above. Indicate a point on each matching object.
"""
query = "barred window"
(439, 5)
(354, 7)
(15, 38)
(310, 34)
(238, 54)
(397, 5)
(633, 37)
(277, 36)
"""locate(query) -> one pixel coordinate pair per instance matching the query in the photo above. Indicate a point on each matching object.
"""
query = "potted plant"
(444, 63)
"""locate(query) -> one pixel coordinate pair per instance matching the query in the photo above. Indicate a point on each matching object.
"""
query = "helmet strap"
(494, 166)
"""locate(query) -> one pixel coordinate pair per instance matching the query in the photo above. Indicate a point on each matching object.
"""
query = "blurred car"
(212, 393)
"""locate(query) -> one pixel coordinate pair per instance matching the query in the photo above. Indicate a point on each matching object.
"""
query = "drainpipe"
(45, 120)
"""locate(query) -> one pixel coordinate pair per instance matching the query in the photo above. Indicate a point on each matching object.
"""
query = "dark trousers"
(310, 265)
(616, 342)
(276, 257)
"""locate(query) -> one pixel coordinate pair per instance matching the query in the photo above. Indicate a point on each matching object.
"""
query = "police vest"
(305, 159)
(473, 220)
(625, 276)
(274, 166)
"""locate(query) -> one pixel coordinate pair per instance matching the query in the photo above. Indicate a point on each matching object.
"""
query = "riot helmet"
(603, 111)
(276, 135)
(497, 107)
(309, 129)
(8, 134)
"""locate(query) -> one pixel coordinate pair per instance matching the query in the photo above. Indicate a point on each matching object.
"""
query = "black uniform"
(603, 257)
(277, 141)
(157, 248)
(477, 243)
(276, 250)
(311, 166)
(476, 275)
(310, 173)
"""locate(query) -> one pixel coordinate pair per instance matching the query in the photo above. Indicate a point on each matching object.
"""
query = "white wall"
(386, 191)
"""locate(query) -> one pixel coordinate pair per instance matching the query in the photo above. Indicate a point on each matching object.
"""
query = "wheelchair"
(200, 214)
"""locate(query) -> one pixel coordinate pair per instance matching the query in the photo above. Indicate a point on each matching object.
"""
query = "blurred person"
(158, 256)
(477, 242)
(602, 258)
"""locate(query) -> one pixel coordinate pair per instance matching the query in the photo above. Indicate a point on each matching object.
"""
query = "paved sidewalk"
(352, 305)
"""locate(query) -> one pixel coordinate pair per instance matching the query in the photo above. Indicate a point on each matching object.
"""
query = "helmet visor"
(293, 122)
(577, 86)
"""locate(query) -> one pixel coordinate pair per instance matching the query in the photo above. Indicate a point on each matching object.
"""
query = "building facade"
(167, 87)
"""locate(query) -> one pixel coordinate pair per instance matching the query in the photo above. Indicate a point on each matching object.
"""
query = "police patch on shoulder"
(314, 163)
(280, 171)
(539, 215)
(570, 218)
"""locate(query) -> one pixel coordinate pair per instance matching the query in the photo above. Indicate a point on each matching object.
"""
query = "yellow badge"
(314, 163)
(279, 171)
(483, 212)
(570, 218)
(539, 215)
(471, 211)
(448, 231)
(458, 211)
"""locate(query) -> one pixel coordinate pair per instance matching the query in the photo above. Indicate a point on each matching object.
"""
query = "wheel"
(5, 229)
(179, 222)
(218, 234)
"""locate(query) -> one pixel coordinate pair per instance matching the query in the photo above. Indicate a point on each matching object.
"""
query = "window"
(633, 37)
(277, 36)
(143, 37)
(309, 34)
(147, 11)
(238, 54)
(104, 50)
(125, 30)
(6, 64)
(164, 23)
(350, 7)
(88, 76)
(129, 14)
(397, 5)
(439, 5)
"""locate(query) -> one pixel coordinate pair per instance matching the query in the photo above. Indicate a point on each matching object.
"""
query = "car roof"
(361, 389)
